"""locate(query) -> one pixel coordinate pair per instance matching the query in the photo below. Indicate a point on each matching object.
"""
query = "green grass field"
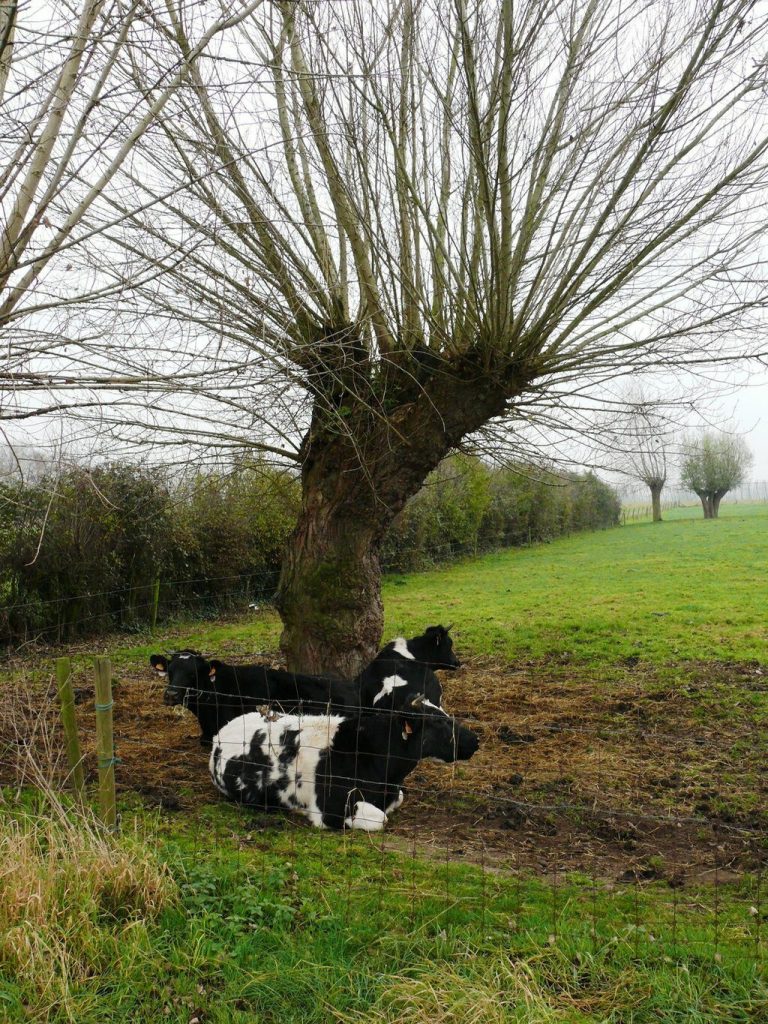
(266, 922)
(269, 925)
(682, 589)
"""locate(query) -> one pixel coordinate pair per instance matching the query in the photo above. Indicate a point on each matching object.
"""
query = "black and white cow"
(415, 661)
(217, 692)
(340, 771)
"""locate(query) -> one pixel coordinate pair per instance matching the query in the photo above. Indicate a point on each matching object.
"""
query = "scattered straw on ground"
(611, 771)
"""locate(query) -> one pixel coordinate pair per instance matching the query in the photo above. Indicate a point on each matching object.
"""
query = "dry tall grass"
(497, 988)
(501, 992)
(69, 892)
(74, 898)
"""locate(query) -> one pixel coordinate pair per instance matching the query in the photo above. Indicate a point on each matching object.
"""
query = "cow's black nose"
(468, 745)
(170, 697)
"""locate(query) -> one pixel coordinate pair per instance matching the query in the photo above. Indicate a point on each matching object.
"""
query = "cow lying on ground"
(216, 692)
(340, 771)
(415, 660)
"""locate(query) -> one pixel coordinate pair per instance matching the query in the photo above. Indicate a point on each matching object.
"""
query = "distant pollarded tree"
(643, 443)
(714, 464)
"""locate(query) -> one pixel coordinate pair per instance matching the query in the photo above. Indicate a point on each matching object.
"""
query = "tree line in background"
(82, 552)
(466, 506)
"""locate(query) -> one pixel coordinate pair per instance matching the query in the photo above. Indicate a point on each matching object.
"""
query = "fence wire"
(482, 836)
(117, 606)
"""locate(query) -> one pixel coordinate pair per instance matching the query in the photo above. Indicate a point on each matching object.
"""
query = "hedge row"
(83, 554)
(108, 535)
(466, 507)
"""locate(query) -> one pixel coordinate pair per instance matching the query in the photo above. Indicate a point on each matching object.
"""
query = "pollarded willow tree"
(360, 233)
(649, 462)
(713, 464)
(639, 440)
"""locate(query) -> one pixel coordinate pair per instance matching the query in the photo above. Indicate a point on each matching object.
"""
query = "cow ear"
(158, 663)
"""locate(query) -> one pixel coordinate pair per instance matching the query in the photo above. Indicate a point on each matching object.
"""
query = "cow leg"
(366, 817)
(397, 802)
(316, 817)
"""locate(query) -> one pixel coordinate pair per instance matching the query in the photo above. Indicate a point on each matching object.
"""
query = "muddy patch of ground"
(625, 773)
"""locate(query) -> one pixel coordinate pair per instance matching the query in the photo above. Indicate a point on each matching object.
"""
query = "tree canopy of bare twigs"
(639, 441)
(713, 464)
(70, 117)
(352, 235)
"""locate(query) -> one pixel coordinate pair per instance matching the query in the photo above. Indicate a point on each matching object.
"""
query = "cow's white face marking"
(388, 685)
(366, 817)
(428, 704)
(400, 646)
(183, 657)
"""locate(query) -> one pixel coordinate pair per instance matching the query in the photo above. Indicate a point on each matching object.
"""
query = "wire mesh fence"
(609, 807)
(137, 606)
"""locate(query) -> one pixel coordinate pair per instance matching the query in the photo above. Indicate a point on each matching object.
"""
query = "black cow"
(340, 771)
(216, 692)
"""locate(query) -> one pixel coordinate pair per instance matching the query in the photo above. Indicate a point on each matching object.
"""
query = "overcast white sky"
(748, 410)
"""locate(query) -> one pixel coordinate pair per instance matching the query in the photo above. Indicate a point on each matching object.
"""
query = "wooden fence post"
(105, 742)
(155, 602)
(69, 722)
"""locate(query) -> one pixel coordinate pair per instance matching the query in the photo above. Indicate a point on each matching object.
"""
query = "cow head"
(431, 732)
(434, 648)
(186, 672)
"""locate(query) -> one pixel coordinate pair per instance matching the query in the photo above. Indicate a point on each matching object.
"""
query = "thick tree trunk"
(656, 489)
(710, 502)
(355, 479)
(330, 590)
(329, 596)
(707, 505)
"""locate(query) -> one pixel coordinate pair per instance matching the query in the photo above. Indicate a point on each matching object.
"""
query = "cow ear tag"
(407, 730)
(212, 673)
